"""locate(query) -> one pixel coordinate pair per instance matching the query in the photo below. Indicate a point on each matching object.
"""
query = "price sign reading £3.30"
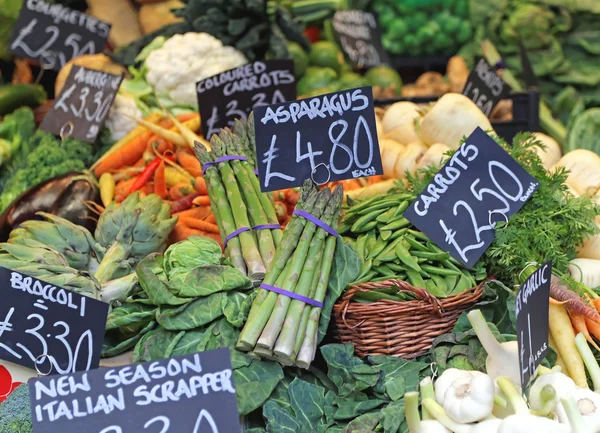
(326, 138)
(187, 394)
(54, 34)
(83, 104)
(43, 325)
(478, 187)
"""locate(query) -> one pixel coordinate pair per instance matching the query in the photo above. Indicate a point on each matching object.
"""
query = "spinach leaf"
(115, 345)
(279, 420)
(188, 344)
(310, 405)
(392, 417)
(148, 271)
(206, 280)
(196, 313)
(128, 314)
(222, 335)
(154, 345)
(193, 252)
(364, 423)
(356, 404)
(235, 308)
(348, 373)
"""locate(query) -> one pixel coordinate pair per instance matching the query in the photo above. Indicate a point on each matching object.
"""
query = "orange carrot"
(122, 189)
(211, 218)
(213, 236)
(148, 188)
(200, 185)
(180, 190)
(195, 223)
(202, 200)
(161, 145)
(578, 321)
(572, 301)
(189, 162)
(593, 327)
(596, 303)
(125, 156)
(160, 187)
(184, 117)
(198, 212)
(181, 232)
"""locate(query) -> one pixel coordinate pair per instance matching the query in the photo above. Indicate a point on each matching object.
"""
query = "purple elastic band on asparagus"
(293, 295)
(255, 172)
(234, 234)
(223, 159)
(316, 221)
(266, 227)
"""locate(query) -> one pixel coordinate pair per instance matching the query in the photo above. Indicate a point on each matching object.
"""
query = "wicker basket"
(406, 329)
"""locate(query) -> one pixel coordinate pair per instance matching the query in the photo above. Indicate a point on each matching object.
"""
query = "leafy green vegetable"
(196, 313)
(184, 255)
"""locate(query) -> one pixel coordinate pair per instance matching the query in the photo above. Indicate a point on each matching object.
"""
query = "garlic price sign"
(327, 138)
(485, 87)
(81, 107)
(186, 394)
(53, 34)
(233, 94)
(479, 187)
(360, 38)
(531, 309)
(48, 328)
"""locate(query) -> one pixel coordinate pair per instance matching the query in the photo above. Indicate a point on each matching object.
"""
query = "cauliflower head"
(174, 69)
(116, 122)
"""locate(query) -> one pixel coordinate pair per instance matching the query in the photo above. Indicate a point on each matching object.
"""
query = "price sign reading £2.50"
(43, 325)
(83, 102)
(233, 94)
(531, 309)
(54, 34)
(326, 138)
(478, 187)
(187, 394)
(485, 87)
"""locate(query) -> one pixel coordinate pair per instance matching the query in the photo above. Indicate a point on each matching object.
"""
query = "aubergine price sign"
(531, 308)
(83, 104)
(478, 187)
(327, 138)
(188, 394)
(233, 94)
(360, 38)
(43, 325)
(485, 87)
(54, 34)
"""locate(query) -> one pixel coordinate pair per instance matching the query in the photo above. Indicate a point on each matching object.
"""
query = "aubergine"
(63, 196)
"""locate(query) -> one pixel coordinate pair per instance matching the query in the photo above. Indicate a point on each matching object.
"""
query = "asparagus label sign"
(360, 38)
(485, 87)
(53, 34)
(326, 138)
(479, 187)
(233, 94)
(48, 328)
(531, 309)
(83, 104)
(187, 394)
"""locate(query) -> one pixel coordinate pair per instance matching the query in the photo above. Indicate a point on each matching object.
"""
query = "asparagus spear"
(309, 345)
(301, 334)
(220, 207)
(257, 213)
(254, 262)
(287, 338)
(276, 313)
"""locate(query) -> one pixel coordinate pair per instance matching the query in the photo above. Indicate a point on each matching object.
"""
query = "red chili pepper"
(313, 34)
(148, 172)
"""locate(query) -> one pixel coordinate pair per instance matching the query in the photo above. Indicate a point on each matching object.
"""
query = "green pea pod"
(389, 253)
(379, 246)
(418, 235)
(385, 234)
(360, 246)
(396, 267)
(433, 289)
(385, 217)
(365, 279)
(405, 257)
(344, 228)
(440, 271)
(365, 268)
(365, 228)
(366, 220)
(386, 204)
(462, 285)
(398, 233)
(370, 243)
(431, 255)
(451, 281)
(448, 264)
(415, 279)
(384, 270)
(415, 243)
(401, 208)
(440, 282)
(375, 296)
(396, 224)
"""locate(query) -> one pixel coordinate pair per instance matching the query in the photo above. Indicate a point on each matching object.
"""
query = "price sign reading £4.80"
(326, 138)
(187, 394)
(54, 34)
(478, 187)
(83, 104)
(233, 94)
(48, 327)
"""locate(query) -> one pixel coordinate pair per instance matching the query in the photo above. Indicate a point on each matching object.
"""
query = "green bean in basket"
(391, 247)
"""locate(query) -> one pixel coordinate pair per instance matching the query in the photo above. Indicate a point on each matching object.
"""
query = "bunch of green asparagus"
(279, 327)
(237, 201)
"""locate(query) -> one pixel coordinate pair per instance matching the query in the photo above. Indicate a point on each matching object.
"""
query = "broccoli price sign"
(485, 87)
(360, 38)
(48, 327)
(478, 187)
(54, 34)
(83, 104)
(233, 94)
(327, 138)
(531, 309)
(188, 394)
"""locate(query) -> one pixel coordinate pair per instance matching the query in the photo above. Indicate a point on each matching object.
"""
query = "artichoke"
(128, 232)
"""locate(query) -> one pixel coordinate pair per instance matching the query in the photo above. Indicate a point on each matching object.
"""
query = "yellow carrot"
(564, 337)
(173, 137)
(189, 136)
(559, 360)
(174, 176)
(107, 188)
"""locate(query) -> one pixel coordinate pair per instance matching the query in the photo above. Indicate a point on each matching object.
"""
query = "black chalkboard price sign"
(188, 394)
(83, 104)
(327, 138)
(360, 38)
(53, 34)
(485, 87)
(531, 309)
(478, 187)
(233, 94)
(44, 325)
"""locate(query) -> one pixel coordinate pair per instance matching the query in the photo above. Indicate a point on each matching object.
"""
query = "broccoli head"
(15, 412)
